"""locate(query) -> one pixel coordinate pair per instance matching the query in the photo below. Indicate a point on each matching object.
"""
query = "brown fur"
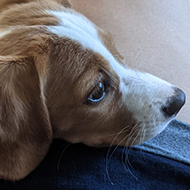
(6, 4)
(25, 127)
(42, 80)
(69, 114)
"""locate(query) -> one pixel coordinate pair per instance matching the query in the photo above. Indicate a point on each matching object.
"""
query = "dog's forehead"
(74, 22)
(78, 28)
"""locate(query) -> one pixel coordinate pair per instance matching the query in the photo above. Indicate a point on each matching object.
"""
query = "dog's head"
(62, 76)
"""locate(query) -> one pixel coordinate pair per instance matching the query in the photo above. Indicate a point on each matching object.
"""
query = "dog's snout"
(175, 103)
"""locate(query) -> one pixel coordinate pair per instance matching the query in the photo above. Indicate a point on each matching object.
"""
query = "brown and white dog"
(61, 76)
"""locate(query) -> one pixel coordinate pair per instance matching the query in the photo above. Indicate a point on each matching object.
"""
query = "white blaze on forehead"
(78, 28)
(76, 22)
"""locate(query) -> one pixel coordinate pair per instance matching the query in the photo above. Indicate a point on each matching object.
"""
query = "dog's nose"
(175, 103)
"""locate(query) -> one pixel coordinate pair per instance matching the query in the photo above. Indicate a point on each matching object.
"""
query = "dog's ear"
(25, 130)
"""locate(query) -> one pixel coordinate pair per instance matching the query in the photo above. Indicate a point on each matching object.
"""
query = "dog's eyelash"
(110, 75)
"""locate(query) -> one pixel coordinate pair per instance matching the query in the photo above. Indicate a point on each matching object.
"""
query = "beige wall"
(153, 36)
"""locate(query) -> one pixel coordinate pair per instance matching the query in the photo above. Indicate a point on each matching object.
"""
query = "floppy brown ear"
(25, 130)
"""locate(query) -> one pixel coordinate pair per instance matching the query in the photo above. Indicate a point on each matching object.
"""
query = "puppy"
(62, 77)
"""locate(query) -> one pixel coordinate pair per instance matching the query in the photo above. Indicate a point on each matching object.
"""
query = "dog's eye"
(98, 93)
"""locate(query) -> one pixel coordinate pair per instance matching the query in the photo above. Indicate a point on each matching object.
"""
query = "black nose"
(174, 103)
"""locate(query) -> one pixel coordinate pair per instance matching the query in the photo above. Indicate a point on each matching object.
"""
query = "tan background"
(153, 36)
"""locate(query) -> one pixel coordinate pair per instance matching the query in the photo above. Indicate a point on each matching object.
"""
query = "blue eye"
(98, 93)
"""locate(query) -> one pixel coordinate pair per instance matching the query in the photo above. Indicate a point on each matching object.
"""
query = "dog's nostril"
(175, 103)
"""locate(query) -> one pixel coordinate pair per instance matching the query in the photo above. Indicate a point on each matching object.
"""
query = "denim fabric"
(79, 167)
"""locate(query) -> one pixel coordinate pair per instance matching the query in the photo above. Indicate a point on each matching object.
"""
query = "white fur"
(4, 32)
(143, 94)
(76, 27)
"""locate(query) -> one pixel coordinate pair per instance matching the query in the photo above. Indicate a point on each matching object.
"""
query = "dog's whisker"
(59, 161)
(122, 156)
(126, 146)
(117, 134)
(140, 134)
(132, 133)
(129, 140)
(107, 156)
(113, 134)
(110, 75)
(143, 133)
(108, 159)
(127, 161)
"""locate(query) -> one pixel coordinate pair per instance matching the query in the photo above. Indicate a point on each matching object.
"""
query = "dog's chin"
(150, 132)
(144, 133)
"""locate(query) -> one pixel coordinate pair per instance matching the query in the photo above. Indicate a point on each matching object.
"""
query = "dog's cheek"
(105, 128)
